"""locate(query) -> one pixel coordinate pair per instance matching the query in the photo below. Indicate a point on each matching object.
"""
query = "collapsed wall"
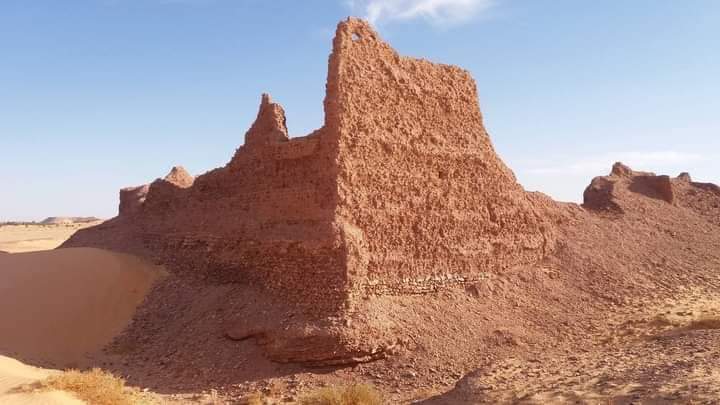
(399, 192)
(625, 189)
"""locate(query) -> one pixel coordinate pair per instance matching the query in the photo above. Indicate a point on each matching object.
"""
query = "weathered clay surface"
(400, 192)
(132, 199)
(422, 194)
(179, 177)
(702, 198)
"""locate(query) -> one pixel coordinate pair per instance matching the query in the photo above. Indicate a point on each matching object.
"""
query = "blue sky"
(100, 94)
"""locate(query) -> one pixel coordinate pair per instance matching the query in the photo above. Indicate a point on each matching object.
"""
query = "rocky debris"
(617, 345)
(643, 357)
(702, 198)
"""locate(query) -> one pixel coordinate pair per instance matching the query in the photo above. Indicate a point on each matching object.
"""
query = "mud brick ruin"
(399, 192)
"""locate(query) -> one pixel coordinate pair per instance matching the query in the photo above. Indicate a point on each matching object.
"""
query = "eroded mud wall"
(420, 185)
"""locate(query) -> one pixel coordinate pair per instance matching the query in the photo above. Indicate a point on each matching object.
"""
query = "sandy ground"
(58, 307)
(14, 374)
(30, 238)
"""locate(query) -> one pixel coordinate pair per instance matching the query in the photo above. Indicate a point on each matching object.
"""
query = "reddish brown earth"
(393, 246)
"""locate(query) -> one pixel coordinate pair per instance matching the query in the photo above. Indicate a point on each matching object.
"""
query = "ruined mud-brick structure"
(610, 193)
(399, 192)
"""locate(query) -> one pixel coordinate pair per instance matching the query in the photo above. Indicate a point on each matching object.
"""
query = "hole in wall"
(355, 37)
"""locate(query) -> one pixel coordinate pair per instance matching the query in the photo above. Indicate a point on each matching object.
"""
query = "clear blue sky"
(100, 94)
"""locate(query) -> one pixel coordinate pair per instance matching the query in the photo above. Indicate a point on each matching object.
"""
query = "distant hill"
(67, 220)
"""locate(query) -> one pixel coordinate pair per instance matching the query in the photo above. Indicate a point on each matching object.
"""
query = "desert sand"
(14, 374)
(35, 237)
(59, 307)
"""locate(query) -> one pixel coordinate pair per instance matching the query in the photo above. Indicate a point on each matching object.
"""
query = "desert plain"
(31, 237)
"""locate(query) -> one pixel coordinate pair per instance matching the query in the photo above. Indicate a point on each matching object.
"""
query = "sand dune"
(58, 307)
(14, 374)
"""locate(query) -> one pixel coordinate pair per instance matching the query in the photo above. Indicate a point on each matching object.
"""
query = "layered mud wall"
(399, 192)
(420, 185)
(265, 218)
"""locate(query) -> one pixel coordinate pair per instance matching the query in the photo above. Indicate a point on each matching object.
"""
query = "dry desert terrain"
(34, 237)
(389, 257)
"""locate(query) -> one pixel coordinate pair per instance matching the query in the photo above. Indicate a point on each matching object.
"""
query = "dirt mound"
(630, 251)
(400, 192)
(655, 354)
(57, 307)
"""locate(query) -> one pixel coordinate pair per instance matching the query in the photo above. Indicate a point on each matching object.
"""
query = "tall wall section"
(428, 199)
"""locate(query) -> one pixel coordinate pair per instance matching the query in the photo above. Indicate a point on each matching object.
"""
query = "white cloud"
(441, 12)
(160, 2)
(598, 165)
